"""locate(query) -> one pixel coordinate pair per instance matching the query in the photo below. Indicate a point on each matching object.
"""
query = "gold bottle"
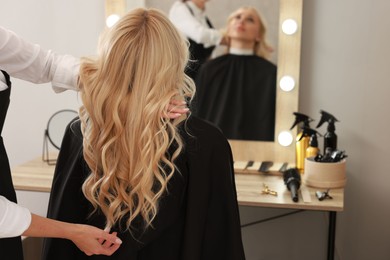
(301, 146)
(302, 140)
(312, 150)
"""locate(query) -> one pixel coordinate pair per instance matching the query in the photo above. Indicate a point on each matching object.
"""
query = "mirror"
(288, 62)
(286, 101)
(54, 132)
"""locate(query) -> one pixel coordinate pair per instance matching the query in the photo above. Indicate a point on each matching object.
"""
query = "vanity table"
(249, 193)
(36, 175)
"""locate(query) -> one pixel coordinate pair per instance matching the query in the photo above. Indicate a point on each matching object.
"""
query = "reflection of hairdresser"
(190, 18)
(124, 166)
(237, 91)
(16, 220)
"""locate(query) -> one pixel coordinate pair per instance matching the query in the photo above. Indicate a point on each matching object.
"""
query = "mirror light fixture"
(114, 11)
(285, 138)
(111, 20)
(287, 83)
(289, 26)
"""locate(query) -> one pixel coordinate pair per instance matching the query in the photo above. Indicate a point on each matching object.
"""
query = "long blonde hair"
(125, 93)
(262, 48)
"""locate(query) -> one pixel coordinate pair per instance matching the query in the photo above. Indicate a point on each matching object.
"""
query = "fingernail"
(118, 241)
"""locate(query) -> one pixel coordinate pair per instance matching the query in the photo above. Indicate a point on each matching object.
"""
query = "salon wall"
(344, 71)
(73, 28)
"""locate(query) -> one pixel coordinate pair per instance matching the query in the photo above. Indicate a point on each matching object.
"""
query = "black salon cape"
(238, 94)
(198, 218)
(10, 248)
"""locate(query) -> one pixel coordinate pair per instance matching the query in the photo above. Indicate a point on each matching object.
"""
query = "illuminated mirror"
(288, 62)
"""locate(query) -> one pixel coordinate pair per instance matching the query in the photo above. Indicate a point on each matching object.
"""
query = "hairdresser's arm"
(28, 61)
(182, 18)
(16, 220)
(87, 238)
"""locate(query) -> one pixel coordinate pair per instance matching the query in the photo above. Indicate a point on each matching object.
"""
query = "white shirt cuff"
(3, 84)
(14, 219)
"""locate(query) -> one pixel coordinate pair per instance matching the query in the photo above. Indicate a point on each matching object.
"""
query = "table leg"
(331, 234)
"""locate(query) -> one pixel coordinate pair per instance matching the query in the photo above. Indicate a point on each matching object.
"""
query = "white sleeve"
(3, 83)
(14, 219)
(28, 61)
(182, 18)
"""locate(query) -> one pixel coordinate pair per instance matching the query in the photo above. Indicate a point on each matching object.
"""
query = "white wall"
(70, 27)
(345, 70)
(345, 55)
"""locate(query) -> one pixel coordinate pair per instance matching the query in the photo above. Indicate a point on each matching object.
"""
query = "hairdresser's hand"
(94, 241)
(176, 108)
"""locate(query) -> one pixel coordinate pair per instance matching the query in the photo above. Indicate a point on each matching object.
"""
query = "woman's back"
(198, 215)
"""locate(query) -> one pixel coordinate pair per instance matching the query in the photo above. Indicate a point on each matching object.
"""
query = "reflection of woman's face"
(244, 26)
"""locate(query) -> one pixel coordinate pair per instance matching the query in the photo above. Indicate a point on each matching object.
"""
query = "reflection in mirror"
(287, 55)
(237, 91)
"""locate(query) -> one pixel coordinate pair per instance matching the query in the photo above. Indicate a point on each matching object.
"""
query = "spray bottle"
(330, 137)
(302, 140)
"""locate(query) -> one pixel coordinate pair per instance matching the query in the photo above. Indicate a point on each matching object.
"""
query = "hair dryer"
(292, 179)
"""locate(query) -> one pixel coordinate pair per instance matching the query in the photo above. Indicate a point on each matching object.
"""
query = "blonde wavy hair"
(125, 92)
(262, 48)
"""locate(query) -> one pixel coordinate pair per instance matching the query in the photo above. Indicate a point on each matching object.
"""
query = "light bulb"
(112, 19)
(287, 83)
(285, 138)
(289, 26)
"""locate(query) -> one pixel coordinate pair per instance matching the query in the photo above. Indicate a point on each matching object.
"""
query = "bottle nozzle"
(307, 131)
(326, 117)
(299, 117)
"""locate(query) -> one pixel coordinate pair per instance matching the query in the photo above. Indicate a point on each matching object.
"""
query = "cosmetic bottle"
(312, 150)
(330, 137)
(302, 140)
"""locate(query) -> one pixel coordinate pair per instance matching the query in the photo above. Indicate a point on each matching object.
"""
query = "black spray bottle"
(330, 138)
(302, 140)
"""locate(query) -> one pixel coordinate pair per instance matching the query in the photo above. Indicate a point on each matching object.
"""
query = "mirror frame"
(289, 53)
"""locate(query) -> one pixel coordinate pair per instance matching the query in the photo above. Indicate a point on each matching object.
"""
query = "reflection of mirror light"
(287, 83)
(112, 19)
(289, 26)
(285, 138)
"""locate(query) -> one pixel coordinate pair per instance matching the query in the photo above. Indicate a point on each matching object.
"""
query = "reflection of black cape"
(10, 248)
(238, 94)
(198, 219)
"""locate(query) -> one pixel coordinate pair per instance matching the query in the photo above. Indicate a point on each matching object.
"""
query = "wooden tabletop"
(34, 175)
(37, 175)
(250, 186)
